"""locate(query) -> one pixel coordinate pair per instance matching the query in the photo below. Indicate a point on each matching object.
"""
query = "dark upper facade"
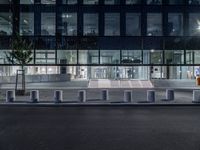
(139, 32)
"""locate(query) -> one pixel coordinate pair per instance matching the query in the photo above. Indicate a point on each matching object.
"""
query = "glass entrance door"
(119, 72)
(127, 72)
(99, 72)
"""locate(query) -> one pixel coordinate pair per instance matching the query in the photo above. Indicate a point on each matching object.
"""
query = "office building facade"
(104, 39)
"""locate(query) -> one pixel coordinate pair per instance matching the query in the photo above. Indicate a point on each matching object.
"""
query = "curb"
(93, 105)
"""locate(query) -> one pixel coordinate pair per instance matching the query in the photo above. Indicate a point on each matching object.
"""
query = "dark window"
(175, 24)
(133, 24)
(112, 24)
(91, 24)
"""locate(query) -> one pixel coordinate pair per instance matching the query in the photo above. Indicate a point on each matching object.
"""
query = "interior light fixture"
(198, 23)
(152, 50)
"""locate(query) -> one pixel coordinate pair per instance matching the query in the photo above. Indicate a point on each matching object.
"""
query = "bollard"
(128, 96)
(170, 94)
(105, 95)
(58, 96)
(196, 96)
(10, 96)
(34, 96)
(151, 96)
(82, 96)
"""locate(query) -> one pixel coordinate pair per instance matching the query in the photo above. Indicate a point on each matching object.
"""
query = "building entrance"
(129, 72)
(102, 72)
(118, 72)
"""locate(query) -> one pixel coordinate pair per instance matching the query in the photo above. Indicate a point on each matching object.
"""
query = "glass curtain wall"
(194, 2)
(90, 2)
(133, 24)
(5, 1)
(154, 24)
(131, 57)
(154, 2)
(110, 56)
(176, 2)
(113, 56)
(112, 2)
(26, 1)
(88, 57)
(194, 24)
(70, 2)
(48, 1)
(48, 24)
(45, 56)
(132, 2)
(175, 24)
(112, 24)
(69, 24)
(91, 24)
(5, 23)
(26, 23)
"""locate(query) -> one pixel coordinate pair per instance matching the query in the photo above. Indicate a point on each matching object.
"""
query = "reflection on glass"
(5, 1)
(196, 57)
(91, 24)
(131, 2)
(192, 56)
(110, 56)
(48, 24)
(26, 1)
(175, 24)
(194, 2)
(174, 57)
(67, 56)
(88, 57)
(189, 56)
(42, 70)
(27, 24)
(154, 24)
(5, 23)
(112, 2)
(48, 1)
(3, 59)
(133, 24)
(154, 2)
(176, 2)
(69, 24)
(90, 2)
(156, 56)
(45, 56)
(194, 24)
(146, 57)
(70, 2)
(112, 24)
(131, 57)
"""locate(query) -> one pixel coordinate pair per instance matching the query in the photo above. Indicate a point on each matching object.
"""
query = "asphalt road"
(100, 128)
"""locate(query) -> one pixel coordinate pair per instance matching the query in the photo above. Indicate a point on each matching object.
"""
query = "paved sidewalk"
(182, 96)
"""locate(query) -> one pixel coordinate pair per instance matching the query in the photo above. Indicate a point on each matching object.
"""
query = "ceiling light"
(152, 50)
